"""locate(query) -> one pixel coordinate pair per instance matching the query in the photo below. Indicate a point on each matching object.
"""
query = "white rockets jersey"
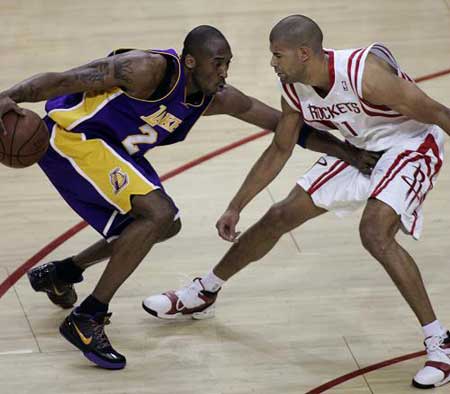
(367, 126)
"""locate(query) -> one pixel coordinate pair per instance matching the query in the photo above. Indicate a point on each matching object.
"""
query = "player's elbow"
(282, 151)
(443, 119)
(273, 120)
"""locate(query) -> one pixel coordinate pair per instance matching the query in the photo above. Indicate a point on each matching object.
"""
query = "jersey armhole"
(291, 97)
(383, 53)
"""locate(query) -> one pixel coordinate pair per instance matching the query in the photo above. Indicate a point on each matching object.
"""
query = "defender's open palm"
(226, 225)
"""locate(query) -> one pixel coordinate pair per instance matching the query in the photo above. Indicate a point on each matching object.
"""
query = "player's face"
(211, 68)
(286, 62)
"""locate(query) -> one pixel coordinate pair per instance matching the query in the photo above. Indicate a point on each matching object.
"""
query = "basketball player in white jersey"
(366, 96)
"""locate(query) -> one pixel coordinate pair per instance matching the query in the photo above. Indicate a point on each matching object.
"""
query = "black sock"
(92, 306)
(68, 271)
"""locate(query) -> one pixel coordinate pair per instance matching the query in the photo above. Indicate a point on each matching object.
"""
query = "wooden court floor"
(316, 308)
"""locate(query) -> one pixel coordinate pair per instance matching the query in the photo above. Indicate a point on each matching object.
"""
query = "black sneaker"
(43, 278)
(87, 333)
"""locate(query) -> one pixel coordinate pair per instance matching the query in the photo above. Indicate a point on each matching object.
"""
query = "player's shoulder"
(143, 70)
(142, 60)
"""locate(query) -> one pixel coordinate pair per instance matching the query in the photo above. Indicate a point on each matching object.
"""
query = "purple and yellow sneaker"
(87, 333)
(43, 278)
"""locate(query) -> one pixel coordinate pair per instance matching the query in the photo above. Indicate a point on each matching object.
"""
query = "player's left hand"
(364, 160)
(226, 225)
(6, 105)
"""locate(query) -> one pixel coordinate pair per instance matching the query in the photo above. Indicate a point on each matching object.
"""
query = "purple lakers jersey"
(120, 119)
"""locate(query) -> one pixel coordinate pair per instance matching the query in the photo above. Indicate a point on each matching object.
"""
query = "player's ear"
(304, 54)
(189, 62)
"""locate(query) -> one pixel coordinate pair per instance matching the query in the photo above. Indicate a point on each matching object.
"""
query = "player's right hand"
(364, 160)
(6, 105)
(226, 225)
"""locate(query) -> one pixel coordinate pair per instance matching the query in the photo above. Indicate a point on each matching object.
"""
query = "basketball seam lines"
(12, 140)
(26, 143)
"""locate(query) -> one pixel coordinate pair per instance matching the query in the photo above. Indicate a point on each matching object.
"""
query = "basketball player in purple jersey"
(103, 117)
(363, 93)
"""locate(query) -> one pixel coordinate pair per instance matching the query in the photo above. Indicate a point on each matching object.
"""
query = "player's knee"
(278, 218)
(164, 216)
(174, 229)
(374, 236)
(156, 208)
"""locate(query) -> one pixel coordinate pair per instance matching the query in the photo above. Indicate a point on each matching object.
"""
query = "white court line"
(24, 351)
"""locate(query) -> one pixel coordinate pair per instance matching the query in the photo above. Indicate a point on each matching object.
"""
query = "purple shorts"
(96, 178)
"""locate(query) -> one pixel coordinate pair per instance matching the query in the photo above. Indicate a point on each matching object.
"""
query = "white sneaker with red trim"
(189, 302)
(436, 371)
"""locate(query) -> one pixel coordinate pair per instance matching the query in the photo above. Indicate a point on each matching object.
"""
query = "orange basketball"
(26, 139)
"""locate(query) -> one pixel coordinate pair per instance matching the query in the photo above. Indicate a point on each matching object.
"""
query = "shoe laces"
(99, 331)
(189, 293)
(434, 343)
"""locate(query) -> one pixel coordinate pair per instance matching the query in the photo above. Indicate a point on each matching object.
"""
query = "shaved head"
(297, 31)
(203, 39)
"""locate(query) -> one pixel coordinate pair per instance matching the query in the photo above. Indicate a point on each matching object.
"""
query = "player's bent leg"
(379, 225)
(57, 278)
(153, 214)
(84, 328)
(96, 253)
(193, 301)
(102, 249)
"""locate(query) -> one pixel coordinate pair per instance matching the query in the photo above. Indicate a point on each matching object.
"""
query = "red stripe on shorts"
(325, 177)
(428, 144)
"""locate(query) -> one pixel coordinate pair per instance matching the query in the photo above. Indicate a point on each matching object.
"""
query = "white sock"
(434, 329)
(212, 282)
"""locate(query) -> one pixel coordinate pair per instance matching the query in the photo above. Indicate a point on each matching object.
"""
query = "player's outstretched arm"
(263, 171)
(137, 72)
(231, 101)
(382, 87)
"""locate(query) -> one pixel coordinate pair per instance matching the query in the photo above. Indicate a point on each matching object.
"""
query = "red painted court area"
(33, 260)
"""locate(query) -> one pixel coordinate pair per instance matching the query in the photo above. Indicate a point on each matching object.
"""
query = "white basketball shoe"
(189, 302)
(436, 371)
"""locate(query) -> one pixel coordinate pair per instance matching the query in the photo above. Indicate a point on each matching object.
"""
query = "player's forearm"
(264, 116)
(37, 88)
(443, 119)
(97, 75)
(260, 115)
(263, 172)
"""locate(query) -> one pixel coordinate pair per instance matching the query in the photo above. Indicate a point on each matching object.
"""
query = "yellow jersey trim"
(71, 117)
(114, 178)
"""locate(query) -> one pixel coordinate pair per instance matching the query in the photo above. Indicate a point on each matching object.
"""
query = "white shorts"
(402, 178)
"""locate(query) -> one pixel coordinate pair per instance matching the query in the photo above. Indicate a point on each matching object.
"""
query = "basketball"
(26, 139)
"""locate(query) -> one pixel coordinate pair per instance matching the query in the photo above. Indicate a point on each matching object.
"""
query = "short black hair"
(198, 39)
(298, 30)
